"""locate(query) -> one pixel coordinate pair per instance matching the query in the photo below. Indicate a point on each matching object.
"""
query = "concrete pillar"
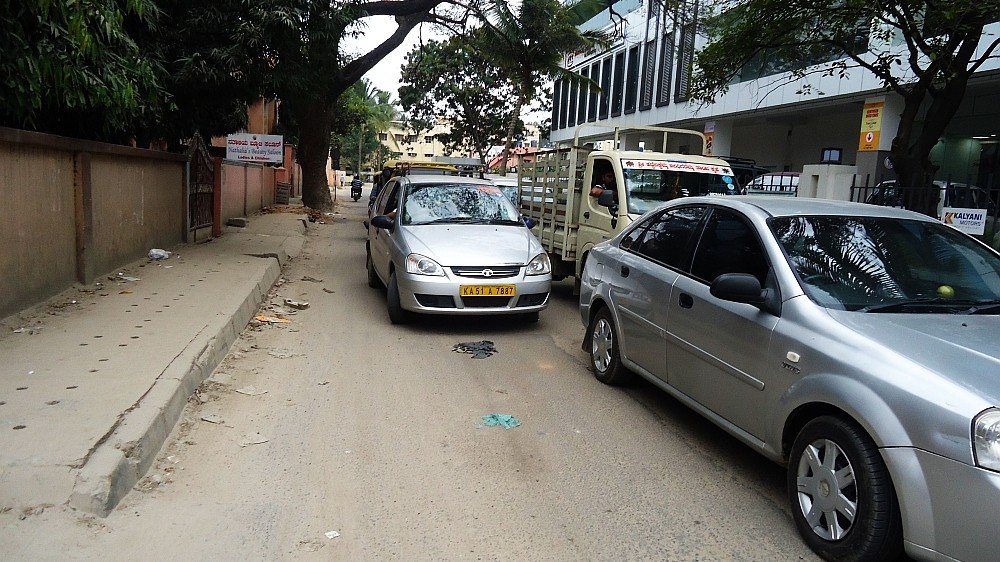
(873, 153)
(720, 133)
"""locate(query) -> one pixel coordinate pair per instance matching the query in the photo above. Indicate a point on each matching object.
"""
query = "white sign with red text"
(672, 166)
(247, 147)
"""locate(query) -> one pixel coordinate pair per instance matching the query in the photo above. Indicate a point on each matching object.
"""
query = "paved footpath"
(93, 381)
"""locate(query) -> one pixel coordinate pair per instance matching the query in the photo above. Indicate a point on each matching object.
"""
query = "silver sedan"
(454, 245)
(858, 345)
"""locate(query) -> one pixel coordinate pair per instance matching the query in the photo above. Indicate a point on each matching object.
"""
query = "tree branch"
(354, 70)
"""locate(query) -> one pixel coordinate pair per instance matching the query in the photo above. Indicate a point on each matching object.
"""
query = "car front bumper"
(948, 507)
(428, 294)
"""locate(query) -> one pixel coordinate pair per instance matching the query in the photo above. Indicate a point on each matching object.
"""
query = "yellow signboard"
(871, 126)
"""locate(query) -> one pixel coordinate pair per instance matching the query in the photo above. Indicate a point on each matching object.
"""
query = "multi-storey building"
(781, 122)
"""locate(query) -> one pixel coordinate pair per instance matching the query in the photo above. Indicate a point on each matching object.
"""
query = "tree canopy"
(924, 51)
(451, 80)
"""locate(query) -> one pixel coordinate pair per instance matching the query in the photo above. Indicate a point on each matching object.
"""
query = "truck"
(555, 189)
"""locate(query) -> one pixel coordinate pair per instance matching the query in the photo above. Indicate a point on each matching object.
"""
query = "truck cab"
(555, 191)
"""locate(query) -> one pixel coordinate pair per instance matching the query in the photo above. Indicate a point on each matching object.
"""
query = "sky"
(385, 75)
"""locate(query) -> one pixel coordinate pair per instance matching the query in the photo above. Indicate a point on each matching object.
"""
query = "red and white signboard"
(673, 166)
(247, 147)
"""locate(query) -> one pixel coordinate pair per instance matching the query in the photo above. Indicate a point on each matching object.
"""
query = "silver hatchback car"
(858, 345)
(454, 245)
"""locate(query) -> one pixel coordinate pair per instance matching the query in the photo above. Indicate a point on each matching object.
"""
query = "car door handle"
(625, 271)
(586, 214)
(685, 300)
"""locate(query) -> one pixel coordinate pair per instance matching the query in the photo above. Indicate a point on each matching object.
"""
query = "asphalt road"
(370, 430)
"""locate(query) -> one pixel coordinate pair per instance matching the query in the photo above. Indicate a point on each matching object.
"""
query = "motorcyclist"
(356, 188)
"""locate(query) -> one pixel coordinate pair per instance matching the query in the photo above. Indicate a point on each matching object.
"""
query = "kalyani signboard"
(969, 221)
(672, 166)
(247, 147)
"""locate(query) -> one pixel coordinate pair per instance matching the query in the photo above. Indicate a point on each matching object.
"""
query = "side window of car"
(391, 194)
(667, 238)
(729, 245)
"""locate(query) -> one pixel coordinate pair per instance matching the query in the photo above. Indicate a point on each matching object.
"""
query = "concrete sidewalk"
(93, 381)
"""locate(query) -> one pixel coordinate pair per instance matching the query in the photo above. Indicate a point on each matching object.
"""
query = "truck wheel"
(841, 495)
(604, 359)
(397, 314)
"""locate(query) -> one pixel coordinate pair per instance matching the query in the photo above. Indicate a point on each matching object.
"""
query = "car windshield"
(648, 188)
(892, 265)
(457, 203)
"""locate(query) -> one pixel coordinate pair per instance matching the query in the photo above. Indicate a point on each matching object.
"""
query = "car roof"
(431, 179)
(776, 206)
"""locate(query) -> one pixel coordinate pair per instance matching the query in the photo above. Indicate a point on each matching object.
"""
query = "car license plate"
(487, 290)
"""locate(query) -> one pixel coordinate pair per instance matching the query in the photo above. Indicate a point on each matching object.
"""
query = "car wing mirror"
(738, 287)
(529, 222)
(607, 199)
(383, 222)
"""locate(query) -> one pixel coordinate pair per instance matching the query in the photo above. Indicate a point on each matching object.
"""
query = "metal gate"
(201, 186)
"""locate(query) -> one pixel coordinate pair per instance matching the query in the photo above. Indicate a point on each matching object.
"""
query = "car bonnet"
(472, 244)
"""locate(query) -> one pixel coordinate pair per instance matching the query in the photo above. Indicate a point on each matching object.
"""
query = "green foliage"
(361, 113)
(450, 79)
(72, 66)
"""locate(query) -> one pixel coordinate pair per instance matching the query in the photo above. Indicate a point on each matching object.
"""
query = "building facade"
(781, 123)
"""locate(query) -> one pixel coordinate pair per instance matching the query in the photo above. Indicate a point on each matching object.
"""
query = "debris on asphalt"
(297, 305)
(312, 279)
(331, 534)
(18, 330)
(324, 383)
(505, 421)
(250, 390)
(271, 319)
(280, 353)
(253, 439)
(128, 278)
(212, 418)
(325, 290)
(311, 545)
(158, 254)
(478, 349)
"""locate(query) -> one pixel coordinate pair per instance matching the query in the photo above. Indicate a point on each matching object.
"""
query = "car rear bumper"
(948, 507)
(440, 295)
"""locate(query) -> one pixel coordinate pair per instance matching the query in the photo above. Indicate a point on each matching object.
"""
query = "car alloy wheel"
(828, 494)
(841, 493)
(604, 359)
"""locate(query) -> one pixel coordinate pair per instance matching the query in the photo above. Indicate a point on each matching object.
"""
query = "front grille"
(485, 302)
(532, 299)
(435, 301)
(493, 271)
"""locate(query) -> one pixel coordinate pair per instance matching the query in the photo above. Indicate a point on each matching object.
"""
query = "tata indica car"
(454, 245)
(858, 345)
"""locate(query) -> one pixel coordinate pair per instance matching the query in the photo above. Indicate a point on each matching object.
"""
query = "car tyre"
(373, 281)
(397, 314)
(605, 361)
(841, 494)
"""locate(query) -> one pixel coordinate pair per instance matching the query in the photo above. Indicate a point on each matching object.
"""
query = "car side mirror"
(529, 222)
(738, 287)
(607, 199)
(383, 222)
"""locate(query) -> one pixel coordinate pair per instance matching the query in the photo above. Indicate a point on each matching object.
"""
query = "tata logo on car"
(487, 273)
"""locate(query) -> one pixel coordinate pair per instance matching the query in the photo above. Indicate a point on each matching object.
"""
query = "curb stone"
(117, 463)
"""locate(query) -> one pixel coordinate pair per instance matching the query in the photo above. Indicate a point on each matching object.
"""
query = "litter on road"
(212, 418)
(271, 319)
(478, 349)
(298, 305)
(331, 534)
(312, 279)
(505, 421)
(251, 390)
(253, 439)
(281, 353)
(158, 254)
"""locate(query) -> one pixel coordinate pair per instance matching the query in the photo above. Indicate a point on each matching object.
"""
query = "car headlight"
(539, 265)
(986, 439)
(423, 265)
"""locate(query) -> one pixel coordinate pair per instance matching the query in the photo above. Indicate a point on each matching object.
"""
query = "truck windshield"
(648, 188)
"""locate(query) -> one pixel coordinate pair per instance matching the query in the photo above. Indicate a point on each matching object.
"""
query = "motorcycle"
(355, 192)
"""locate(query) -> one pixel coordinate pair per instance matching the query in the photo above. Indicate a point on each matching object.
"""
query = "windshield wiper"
(900, 305)
(456, 220)
(984, 307)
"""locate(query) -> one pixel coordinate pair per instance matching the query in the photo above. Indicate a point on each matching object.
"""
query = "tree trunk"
(505, 155)
(314, 148)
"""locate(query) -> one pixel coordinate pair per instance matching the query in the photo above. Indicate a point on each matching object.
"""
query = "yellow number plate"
(487, 290)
